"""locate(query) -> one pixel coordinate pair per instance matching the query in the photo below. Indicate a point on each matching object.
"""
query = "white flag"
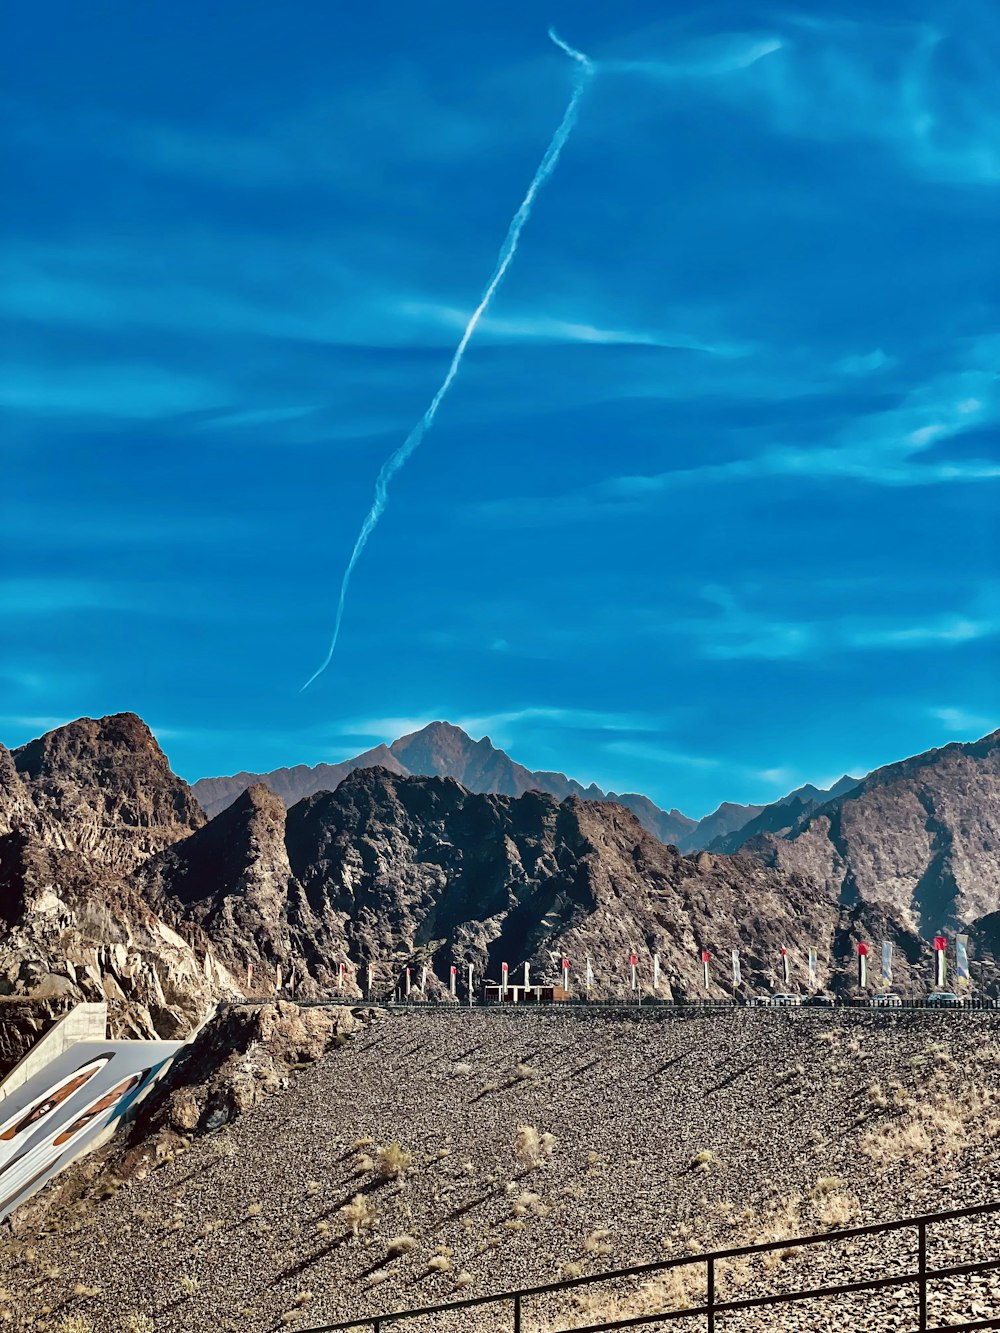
(737, 971)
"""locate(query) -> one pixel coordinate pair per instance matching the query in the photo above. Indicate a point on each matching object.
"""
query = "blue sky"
(709, 510)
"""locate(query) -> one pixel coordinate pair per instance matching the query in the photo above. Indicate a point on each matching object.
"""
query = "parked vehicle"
(784, 999)
(821, 1000)
(886, 1000)
(944, 999)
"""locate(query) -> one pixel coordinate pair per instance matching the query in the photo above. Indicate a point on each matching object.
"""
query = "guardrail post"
(922, 1274)
(517, 1312)
(711, 1295)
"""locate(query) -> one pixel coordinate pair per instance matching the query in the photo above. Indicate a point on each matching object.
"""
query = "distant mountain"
(445, 751)
(113, 886)
(780, 817)
(718, 824)
(920, 837)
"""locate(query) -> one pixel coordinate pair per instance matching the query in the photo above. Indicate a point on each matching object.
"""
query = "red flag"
(941, 943)
(704, 955)
(565, 964)
(633, 959)
(863, 950)
(503, 967)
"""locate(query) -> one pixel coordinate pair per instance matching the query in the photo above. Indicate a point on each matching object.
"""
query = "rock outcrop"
(101, 787)
(920, 838)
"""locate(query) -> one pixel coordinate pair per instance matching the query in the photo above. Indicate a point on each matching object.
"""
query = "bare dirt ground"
(443, 1155)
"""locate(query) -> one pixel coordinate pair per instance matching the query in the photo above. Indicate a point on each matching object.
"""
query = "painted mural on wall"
(58, 1113)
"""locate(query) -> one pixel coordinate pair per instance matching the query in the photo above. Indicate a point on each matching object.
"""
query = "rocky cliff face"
(80, 809)
(102, 787)
(398, 868)
(921, 837)
(73, 930)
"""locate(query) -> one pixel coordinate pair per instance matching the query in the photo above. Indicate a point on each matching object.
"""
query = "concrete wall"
(86, 1022)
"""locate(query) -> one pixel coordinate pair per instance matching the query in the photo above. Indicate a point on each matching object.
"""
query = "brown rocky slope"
(667, 1138)
(921, 837)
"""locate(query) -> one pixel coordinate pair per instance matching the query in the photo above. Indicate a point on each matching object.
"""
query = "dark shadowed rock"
(104, 787)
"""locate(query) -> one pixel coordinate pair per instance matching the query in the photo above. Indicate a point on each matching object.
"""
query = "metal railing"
(511, 1303)
(648, 1005)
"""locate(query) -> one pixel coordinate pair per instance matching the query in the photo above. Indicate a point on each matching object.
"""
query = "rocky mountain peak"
(103, 786)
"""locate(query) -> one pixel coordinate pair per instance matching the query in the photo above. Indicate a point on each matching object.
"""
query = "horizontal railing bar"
(966, 1328)
(686, 1261)
(787, 1297)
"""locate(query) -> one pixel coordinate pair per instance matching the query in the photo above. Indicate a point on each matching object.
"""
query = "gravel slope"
(670, 1135)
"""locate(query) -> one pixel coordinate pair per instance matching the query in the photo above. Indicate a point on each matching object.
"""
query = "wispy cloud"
(905, 445)
(962, 721)
(737, 631)
(549, 328)
(500, 725)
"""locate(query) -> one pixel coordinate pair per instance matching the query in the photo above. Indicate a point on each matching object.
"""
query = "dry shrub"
(400, 1245)
(528, 1202)
(358, 1215)
(597, 1241)
(439, 1263)
(839, 1210)
(533, 1148)
(678, 1288)
(942, 1124)
(392, 1161)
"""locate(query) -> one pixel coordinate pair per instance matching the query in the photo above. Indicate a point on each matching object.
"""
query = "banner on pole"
(940, 959)
(590, 975)
(737, 970)
(862, 965)
(785, 966)
(813, 960)
(962, 958)
(886, 973)
(340, 980)
(565, 971)
(277, 977)
(656, 971)
(249, 975)
(705, 957)
(634, 963)
(453, 976)
(503, 978)
(407, 981)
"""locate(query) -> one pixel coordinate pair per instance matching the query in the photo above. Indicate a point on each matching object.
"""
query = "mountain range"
(443, 750)
(114, 884)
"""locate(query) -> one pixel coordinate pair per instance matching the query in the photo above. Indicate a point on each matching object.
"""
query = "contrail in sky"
(507, 251)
